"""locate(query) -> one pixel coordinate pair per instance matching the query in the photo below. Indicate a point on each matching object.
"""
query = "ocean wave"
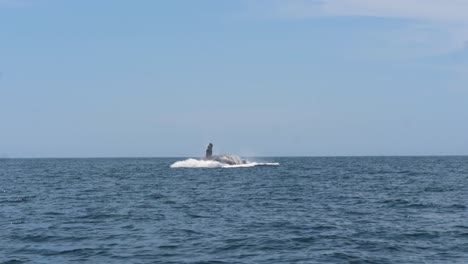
(199, 163)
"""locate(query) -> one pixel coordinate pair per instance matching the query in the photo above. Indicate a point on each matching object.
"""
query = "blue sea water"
(306, 210)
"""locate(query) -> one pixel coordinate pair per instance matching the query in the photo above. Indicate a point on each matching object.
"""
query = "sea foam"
(200, 163)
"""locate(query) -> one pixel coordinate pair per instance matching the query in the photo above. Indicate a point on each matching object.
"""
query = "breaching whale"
(218, 161)
(225, 158)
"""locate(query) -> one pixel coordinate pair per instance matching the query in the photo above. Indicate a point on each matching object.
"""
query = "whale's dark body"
(225, 159)
(228, 159)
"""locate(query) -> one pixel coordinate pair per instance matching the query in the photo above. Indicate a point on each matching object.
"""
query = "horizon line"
(287, 156)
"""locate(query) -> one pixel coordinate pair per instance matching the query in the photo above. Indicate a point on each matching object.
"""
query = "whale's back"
(228, 159)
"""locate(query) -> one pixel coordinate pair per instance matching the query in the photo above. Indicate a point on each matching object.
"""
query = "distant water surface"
(306, 210)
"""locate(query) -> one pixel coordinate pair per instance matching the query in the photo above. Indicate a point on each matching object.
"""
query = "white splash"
(196, 163)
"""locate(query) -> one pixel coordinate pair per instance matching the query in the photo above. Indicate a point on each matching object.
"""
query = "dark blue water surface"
(307, 210)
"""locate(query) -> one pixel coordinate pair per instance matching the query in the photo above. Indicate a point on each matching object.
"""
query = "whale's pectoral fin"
(209, 151)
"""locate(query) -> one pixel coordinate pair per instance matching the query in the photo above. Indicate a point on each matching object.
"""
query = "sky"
(121, 78)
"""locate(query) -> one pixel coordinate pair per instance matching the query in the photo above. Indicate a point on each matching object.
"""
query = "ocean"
(279, 210)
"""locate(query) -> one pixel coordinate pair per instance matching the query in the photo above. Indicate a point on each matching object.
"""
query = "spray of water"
(200, 163)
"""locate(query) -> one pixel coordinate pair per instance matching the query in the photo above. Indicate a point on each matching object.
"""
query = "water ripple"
(306, 210)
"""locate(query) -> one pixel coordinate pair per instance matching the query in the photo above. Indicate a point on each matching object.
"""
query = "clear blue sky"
(150, 78)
